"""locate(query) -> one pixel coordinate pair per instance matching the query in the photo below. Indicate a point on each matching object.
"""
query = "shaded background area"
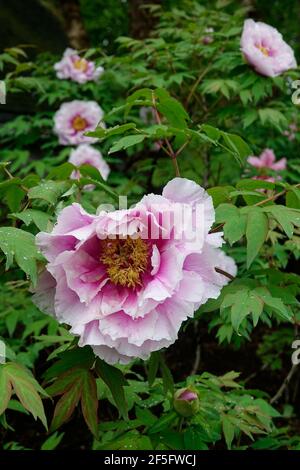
(51, 25)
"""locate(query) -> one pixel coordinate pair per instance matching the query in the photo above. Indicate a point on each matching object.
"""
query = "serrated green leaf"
(49, 191)
(19, 245)
(286, 217)
(228, 430)
(26, 388)
(39, 218)
(126, 142)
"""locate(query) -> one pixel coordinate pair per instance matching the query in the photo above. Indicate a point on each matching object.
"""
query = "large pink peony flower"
(267, 160)
(125, 280)
(264, 49)
(75, 118)
(76, 68)
(85, 154)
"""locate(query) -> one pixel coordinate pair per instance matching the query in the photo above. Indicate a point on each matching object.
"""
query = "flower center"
(79, 123)
(125, 260)
(264, 50)
(81, 64)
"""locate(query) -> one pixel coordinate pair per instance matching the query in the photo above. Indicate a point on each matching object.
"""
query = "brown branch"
(217, 228)
(170, 151)
(204, 72)
(284, 385)
(74, 26)
(275, 196)
(225, 273)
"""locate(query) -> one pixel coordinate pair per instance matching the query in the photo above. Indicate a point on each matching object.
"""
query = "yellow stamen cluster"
(264, 50)
(79, 123)
(81, 64)
(125, 260)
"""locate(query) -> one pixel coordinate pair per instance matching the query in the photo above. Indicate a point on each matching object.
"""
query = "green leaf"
(14, 196)
(273, 117)
(171, 109)
(89, 403)
(20, 245)
(286, 217)
(293, 198)
(164, 422)
(193, 439)
(256, 233)
(39, 218)
(65, 406)
(130, 440)
(76, 384)
(49, 191)
(212, 132)
(126, 142)
(256, 306)
(228, 430)
(145, 416)
(251, 184)
(275, 304)
(153, 366)
(220, 194)
(238, 146)
(242, 303)
(53, 441)
(168, 382)
(65, 381)
(225, 212)
(235, 228)
(5, 390)
(228, 379)
(61, 172)
(76, 357)
(103, 133)
(145, 93)
(239, 310)
(115, 381)
(25, 387)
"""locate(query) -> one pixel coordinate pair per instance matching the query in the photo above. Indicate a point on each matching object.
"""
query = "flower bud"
(186, 402)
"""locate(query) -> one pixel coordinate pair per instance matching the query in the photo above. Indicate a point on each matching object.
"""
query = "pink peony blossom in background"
(124, 290)
(267, 160)
(75, 118)
(208, 38)
(290, 133)
(265, 49)
(269, 179)
(76, 68)
(85, 154)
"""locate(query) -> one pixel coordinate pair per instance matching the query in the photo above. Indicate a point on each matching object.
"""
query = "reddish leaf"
(26, 388)
(89, 403)
(5, 390)
(66, 405)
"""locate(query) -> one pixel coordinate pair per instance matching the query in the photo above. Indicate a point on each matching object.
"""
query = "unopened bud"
(186, 402)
